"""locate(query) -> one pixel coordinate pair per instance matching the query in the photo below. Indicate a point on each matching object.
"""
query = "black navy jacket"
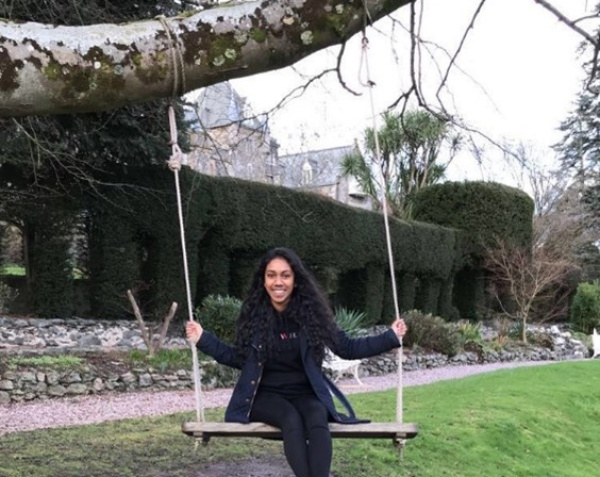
(246, 387)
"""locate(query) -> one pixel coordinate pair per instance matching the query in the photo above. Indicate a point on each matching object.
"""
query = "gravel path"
(94, 409)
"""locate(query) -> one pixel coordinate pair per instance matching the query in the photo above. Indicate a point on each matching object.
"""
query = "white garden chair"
(339, 366)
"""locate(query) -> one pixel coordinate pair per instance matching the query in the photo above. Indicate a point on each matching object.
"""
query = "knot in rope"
(363, 68)
(176, 158)
(174, 162)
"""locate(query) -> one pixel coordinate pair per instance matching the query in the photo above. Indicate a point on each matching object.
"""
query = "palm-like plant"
(410, 146)
(351, 321)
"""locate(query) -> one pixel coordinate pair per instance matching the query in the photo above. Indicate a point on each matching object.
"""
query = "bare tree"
(524, 281)
(153, 343)
(561, 222)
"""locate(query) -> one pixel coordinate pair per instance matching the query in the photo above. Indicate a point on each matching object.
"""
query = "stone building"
(320, 172)
(228, 139)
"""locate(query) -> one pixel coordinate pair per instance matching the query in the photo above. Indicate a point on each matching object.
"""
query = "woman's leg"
(279, 412)
(316, 422)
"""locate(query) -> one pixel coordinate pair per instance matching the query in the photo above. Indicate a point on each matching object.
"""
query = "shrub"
(470, 332)
(516, 331)
(533, 337)
(431, 333)
(469, 335)
(503, 326)
(585, 310)
(218, 314)
(350, 321)
(499, 343)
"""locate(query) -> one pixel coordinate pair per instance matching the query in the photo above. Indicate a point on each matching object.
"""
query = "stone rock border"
(78, 336)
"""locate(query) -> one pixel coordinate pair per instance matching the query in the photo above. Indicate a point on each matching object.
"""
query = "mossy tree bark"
(47, 69)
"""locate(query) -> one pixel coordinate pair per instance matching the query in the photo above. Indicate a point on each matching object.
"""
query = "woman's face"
(279, 282)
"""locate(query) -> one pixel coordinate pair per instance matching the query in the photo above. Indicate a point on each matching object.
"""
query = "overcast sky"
(519, 75)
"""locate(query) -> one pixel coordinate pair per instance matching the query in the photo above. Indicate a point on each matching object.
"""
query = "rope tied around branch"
(177, 66)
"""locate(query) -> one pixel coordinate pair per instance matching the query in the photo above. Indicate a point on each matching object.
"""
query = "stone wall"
(31, 337)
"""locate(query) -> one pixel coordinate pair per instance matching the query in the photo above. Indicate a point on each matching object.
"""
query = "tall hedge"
(134, 242)
(52, 279)
(2, 244)
(585, 310)
(114, 260)
(230, 223)
(254, 217)
(481, 212)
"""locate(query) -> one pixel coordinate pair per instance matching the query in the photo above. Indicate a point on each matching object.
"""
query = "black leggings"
(304, 425)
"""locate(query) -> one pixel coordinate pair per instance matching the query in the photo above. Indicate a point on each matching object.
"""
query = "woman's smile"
(279, 282)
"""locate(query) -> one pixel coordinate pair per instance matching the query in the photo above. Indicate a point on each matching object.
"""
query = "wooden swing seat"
(372, 430)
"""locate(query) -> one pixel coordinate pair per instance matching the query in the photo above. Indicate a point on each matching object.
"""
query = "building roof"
(219, 105)
(325, 165)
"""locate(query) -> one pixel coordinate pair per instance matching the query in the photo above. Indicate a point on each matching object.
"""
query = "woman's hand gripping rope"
(399, 327)
(193, 331)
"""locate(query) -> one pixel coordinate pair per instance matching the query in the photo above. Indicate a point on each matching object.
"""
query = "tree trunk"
(524, 324)
(28, 237)
(47, 69)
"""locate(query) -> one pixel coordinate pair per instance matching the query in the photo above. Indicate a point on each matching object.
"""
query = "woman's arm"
(358, 348)
(212, 346)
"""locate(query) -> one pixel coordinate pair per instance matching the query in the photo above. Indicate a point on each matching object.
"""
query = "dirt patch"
(112, 361)
(272, 466)
(108, 362)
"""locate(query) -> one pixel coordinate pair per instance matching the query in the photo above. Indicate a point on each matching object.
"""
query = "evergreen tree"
(579, 154)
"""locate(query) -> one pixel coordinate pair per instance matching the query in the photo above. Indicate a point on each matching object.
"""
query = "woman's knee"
(292, 420)
(315, 414)
(273, 410)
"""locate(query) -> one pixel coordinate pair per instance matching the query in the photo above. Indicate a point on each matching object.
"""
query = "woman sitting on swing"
(282, 331)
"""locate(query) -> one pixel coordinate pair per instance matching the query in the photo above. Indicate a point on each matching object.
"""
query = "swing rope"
(174, 163)
(368, 83)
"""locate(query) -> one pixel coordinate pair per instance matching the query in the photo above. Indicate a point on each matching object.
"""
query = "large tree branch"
(58, 69)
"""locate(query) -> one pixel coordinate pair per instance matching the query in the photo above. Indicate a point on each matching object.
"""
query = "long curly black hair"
(308, 307)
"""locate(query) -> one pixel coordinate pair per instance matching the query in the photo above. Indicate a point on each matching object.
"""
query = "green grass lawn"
(11, 269)
(541, 421)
